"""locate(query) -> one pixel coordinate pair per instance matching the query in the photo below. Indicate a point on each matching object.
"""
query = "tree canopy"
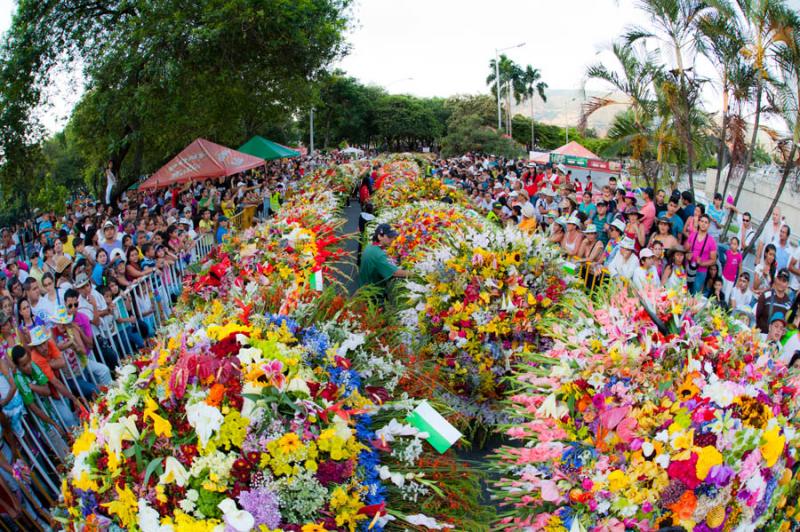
(159, 74)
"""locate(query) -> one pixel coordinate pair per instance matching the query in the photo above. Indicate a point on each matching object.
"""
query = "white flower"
(395, 428)
(427, 522)
(174, 472)
(352, 342)
(552, 408)
(205, 419)
(298, 385)
(249, 355)
(397, 478)
(576, 526)
(147, 519)
(115, 433)
(721, 392)
(239, 520)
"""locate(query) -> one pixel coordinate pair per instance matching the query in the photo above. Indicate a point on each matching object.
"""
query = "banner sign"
(583, 162)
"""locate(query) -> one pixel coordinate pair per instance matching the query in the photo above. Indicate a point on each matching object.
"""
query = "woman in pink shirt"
(648, 210)
(703, 250)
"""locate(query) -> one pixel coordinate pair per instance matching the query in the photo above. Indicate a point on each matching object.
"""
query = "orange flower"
(215, 395)
(684, 508)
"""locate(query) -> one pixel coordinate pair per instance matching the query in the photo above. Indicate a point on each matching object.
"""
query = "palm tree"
(676, 23)
(785, 101)
(510, 73)
(721, 41)
(634, 78)
(531, 85)
(766, 28)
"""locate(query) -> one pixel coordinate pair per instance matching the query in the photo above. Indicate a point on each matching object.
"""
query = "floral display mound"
(645, 418)
(261, 423)
(476, 310)
(271, 405)
(399, 183)
(424, 226)
(282, 257)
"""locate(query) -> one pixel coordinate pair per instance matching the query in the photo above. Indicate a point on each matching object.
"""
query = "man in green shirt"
(376, 268)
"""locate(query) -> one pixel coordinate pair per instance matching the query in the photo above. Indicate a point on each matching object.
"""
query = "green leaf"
(154, 464)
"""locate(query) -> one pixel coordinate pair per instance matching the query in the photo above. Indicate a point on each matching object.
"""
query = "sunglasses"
(73, 305)
(747, 220)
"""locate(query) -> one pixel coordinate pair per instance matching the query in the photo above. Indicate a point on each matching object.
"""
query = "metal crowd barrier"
(149, 300)
(244, 218)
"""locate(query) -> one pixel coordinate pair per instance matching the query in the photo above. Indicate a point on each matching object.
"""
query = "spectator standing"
(733, 266)
(703, 249)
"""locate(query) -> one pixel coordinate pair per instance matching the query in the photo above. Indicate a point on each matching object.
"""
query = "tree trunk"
(787, 169)
(721, 148)
(748, 159)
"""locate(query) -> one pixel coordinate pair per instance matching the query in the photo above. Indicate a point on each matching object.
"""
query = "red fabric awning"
(202, 159)
(576, 150)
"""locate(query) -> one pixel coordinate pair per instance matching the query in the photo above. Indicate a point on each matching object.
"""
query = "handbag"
(691, 267)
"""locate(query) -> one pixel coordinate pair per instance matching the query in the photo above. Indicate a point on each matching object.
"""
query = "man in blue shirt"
(673, 209)
(687, 199)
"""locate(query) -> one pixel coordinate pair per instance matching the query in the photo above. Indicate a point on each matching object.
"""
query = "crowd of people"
(65, 282)
(650, 237)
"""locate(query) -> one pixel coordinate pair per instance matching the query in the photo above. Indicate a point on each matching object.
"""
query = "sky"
(443, 47)
(446, 46)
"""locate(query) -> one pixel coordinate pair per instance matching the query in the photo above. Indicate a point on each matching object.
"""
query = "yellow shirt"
(68, 247)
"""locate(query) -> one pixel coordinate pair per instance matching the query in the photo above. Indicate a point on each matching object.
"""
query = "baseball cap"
(645, 253)
(108, 224)
(385, 230)
(777, 316)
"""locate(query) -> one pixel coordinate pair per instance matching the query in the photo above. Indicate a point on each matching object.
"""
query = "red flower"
(685, 471)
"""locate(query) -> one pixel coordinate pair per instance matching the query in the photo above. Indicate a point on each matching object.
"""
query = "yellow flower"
(313, 527)
(617, 481)
(289, 442)
(84, 483)
(773, 445)
(161, 426)
(707, 457)
(113, 461)
(84, 442)
(125, 507)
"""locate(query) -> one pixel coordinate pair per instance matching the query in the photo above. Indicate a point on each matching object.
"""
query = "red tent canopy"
(202, 159)
(576, 150)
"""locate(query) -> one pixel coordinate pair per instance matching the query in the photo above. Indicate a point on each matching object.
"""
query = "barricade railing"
(149, 301)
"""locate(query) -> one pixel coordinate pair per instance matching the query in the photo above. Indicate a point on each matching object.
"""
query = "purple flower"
(262, 503)
(719, 475)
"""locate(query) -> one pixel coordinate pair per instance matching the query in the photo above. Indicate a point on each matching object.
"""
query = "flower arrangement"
(424, 226)
(269, 406)
(478, 308)
(400, 184)
(646, 414)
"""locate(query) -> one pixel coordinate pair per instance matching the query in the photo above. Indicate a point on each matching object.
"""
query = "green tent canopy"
(266, 149)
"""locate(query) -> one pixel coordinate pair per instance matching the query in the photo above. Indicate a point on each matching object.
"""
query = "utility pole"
(497, 85)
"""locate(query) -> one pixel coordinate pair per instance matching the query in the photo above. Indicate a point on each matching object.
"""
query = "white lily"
(174, 472)
(205, 419)
(239, 520)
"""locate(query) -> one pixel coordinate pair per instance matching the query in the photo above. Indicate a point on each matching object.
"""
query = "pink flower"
(550, 491)
(516, 432)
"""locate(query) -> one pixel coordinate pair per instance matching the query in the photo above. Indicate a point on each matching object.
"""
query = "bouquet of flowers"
(478, 308)
(646, 414)
(426, 225)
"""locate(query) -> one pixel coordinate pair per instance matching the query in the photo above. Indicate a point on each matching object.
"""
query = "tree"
(479, 105)
(532, 84)
(634, 79)
(511, 74)
(675, 22)
(786, 103)
(406, 122)
(766, 27)
(160, 74)
(468, 134)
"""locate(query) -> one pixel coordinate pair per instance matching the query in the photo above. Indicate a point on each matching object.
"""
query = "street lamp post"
(497, 84)
(566, 124)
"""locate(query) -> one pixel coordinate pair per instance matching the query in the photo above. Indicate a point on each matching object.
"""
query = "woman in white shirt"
(625, 261)
(646, 275)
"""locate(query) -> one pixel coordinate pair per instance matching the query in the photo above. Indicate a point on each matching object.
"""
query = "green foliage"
(160, 74)
(467, 134)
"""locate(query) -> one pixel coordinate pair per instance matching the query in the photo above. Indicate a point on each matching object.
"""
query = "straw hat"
(62, 263)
